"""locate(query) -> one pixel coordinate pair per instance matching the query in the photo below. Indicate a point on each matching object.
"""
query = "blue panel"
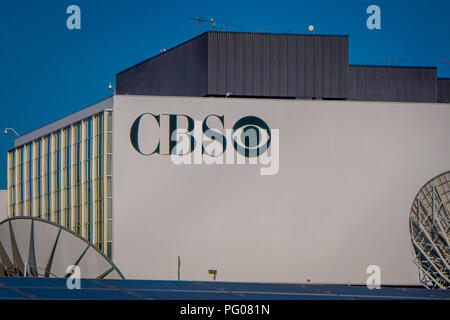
(176, 295)
(6, 293)
(82, 294)
(41, 288)
(32, 282)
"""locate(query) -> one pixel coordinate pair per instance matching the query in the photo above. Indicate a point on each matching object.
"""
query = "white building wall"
(3, 204)
(340, 201)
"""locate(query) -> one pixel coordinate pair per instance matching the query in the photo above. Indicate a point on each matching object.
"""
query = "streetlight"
(111, 86)
(11, 129)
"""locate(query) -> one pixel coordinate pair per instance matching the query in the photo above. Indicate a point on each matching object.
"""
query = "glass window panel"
(109, 208)
(109, 143)
(109, 186)
(108, 121)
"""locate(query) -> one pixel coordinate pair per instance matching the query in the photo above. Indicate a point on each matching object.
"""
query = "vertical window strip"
(108, 186)
(39, 176)
(58, 178)
(49, 181)
(88, 179)
(12, 182)
(68, 178)
(30, 179)
(99, 178)
(21, 180)
(78, 137)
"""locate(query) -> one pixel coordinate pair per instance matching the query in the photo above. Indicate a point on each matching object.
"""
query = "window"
(77, 177)
(29, 179)
(48, 181)
(12, 182)
(38, 174)
(56, 174)
(66, 177)
(88, 205)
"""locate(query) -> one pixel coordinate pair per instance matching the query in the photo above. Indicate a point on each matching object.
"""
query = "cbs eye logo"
(251, 136)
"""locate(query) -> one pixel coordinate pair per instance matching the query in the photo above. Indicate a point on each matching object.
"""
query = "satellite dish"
(429, 227)
(34, 247)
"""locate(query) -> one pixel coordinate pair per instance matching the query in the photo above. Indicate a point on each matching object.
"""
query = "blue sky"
(48, 71)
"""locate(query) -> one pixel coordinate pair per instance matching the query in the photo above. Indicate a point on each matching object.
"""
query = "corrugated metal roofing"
(392, 83)
(180, 71)
(248, 64)
(443, 90)
(277, 65)
(245, 64)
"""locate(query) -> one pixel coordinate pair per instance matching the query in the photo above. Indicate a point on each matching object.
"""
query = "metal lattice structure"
(34, 247)
(429, 226)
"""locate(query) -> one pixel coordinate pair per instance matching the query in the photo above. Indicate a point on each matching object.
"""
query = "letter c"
(134, 134)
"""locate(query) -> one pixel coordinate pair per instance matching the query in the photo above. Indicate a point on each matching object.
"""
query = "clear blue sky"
(48, 71)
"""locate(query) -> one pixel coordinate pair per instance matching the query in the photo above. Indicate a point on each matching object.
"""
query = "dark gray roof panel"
(277, 65)
(248, 64)
(181, 71)
(443, 90)
(392, 83)
(245, 64)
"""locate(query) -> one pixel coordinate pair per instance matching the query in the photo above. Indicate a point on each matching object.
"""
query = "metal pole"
(8, 129)
(179, 264)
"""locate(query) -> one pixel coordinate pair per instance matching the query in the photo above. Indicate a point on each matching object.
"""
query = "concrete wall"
(348, 173)
(3, 204)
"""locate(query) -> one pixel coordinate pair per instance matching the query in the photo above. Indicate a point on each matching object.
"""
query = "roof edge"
(391, 66)
(161, 53)
(63, 121)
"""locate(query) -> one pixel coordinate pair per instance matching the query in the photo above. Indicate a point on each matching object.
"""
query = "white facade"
(3, 204)
(342, 179)
(340, 201)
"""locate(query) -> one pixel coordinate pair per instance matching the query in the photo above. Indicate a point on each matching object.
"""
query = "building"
(63, 172)
(282, 189)
(302, 66)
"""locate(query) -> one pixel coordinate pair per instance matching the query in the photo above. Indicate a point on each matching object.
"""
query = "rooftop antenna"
(225, 26)
(201, 20)
(290, 30)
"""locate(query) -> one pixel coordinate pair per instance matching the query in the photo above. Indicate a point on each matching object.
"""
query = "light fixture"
(11, 129)
(213, 272)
